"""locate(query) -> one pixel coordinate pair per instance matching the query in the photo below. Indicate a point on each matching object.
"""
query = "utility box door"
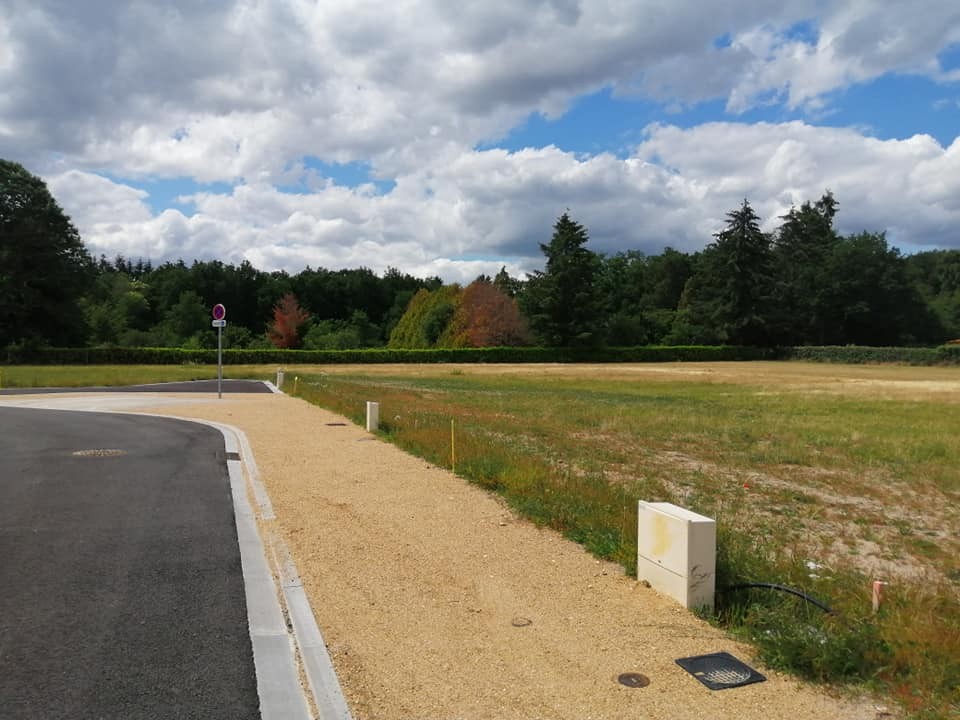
(677, 552)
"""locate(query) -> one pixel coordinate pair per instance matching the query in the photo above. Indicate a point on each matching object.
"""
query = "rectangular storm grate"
(719, 671)
(336, 424)
(233, 456)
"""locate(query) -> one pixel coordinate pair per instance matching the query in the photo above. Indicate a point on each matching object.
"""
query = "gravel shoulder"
(422, 585)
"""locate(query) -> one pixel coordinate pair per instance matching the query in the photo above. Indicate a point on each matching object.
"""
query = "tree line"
(803, 284)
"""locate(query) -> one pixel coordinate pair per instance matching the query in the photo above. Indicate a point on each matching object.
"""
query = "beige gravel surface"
(438, 603)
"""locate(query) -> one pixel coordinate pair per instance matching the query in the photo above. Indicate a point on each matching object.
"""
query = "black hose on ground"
(781, 588)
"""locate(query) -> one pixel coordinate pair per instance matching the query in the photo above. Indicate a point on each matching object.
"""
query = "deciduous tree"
(289, 319)
(44, 266)
(487, 317)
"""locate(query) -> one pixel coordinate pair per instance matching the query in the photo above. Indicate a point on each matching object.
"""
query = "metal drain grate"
(99, 452)
(719, 671)
(233, 456)
(336, 424)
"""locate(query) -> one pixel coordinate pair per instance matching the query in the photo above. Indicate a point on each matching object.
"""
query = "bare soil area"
(877, 381)
(437, 603)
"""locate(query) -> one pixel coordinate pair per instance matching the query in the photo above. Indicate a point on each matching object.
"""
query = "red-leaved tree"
(487, 317)
(288, 320)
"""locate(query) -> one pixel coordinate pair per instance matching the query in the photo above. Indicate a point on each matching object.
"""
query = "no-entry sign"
(219, 312)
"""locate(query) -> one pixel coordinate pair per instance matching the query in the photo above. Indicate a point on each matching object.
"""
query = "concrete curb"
(267, 618)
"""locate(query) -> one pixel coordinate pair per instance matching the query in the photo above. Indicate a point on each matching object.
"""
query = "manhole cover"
(719, 671)
(633, 680)
(99, 452)
(521, 622)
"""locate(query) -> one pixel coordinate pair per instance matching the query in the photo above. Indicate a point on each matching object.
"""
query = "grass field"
(821, 477)
(67, 376)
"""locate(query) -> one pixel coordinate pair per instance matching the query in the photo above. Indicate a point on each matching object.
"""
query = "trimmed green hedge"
(853, 354)
(176, 356)
(944, 355)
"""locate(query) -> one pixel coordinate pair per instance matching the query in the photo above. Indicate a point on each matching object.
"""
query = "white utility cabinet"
(677, 552)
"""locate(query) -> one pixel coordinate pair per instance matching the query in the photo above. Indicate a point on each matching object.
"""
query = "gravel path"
(437, 603)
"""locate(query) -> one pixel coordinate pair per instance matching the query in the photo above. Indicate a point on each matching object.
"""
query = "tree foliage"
(561, 302)
(802, 284)
(730, 294)
(426, 319)
(486, 317)
(289, 320)
(44, 266)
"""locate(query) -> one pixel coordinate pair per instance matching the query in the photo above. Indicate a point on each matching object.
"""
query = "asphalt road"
(121, 594)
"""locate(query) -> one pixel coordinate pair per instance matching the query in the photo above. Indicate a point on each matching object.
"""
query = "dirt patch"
(831, 534)
(436, 602)
(876, 381)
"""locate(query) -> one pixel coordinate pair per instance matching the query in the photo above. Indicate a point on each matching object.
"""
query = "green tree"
(730, 294)
(357, 332)
(509, 286)
(561, 302)
(802, 249)
(621, 283)
(427, 318)
(874, 300)
(187, 322)
(936, 276)
(44, 266)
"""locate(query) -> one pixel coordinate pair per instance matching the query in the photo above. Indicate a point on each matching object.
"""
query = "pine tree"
(561, 302)
(730, 295)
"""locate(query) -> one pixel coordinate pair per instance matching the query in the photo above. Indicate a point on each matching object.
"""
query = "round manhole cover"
(99, 452)
(521, 622)
(633, 680)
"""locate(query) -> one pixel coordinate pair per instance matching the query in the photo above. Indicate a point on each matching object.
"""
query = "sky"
(445, 138)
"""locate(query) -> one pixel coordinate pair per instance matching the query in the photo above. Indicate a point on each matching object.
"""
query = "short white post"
(279, 379)
(373, 416)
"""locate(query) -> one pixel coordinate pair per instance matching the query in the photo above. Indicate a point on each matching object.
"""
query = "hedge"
(177, 356)
(946, 354)
(853, 354)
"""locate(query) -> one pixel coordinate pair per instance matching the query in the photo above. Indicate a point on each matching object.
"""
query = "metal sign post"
(219, 322)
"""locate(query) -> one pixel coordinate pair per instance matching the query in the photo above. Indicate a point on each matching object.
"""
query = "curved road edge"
(277, 660)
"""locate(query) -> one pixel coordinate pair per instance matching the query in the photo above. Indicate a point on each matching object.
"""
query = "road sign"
(219, 323)
(219, 312)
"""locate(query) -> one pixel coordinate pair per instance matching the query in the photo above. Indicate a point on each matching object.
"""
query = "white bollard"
(279, 379)
(373, 416)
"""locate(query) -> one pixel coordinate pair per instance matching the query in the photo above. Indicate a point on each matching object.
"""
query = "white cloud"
(95, 200)
(473, 211)
(244, 89)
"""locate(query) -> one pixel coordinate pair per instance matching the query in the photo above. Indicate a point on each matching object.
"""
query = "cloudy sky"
(446, 137)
